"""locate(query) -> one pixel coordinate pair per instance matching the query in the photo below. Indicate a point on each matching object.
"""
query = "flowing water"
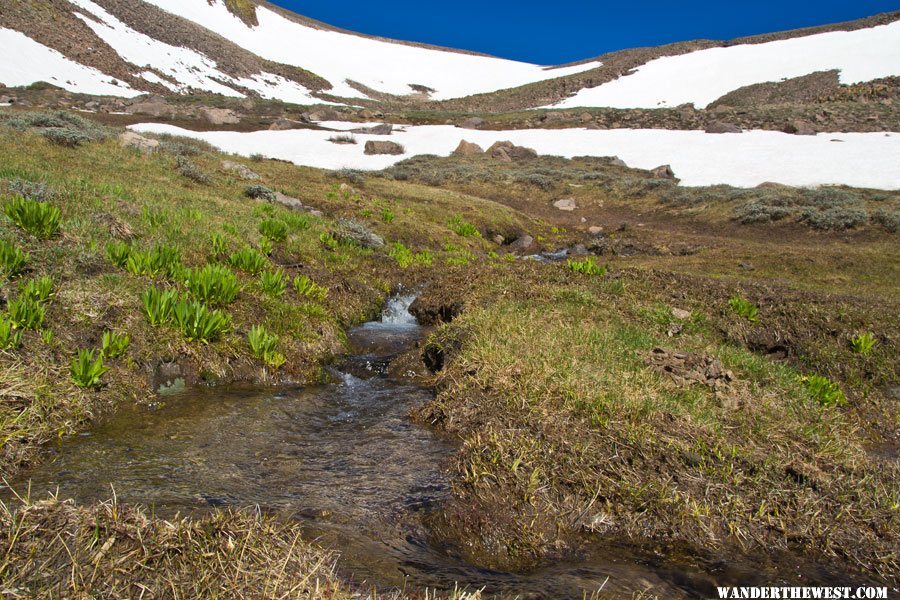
(345, 460)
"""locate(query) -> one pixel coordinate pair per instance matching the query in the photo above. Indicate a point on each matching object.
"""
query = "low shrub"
(265, 346)
(190, 170)
(66, 136)
(113, 344)
(248, 260)
(12, 259)
(214, 284)
(890, 220)
(39, 191)
(342, 139)
(86, 370)
(259, 192)
(37, 218)
(835, 218)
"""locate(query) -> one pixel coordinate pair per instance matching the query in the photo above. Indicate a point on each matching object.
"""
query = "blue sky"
(555, 32)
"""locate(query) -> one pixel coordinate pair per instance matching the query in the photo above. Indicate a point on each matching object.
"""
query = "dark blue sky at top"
(556, 32)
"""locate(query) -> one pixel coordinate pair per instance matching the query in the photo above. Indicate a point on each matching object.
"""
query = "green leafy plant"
(199, 323)
(248, 260)
(159, 305)
(273, 283)
(219, 245)
(274, 229)
(39, 289)
(265, 346)
(744, 308)
(863, 343)
(25, 313)
(113, 344)
(403, 255)
(310, 289)
(424, 258)
(214, 284)
(12, 259)
(824, 391)
(118, 253)
(463, 228)
(265, 246)
(86, 370)
(329, 241)
(388, 216)
(37, 218)
(587, 266)
(159, 260)
(9, 337)
(47, 336)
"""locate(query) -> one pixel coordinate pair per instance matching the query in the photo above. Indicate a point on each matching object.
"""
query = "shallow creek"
(346, 461)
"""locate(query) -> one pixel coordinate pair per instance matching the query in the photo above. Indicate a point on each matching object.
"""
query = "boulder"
(617, 162)
(566, 204)
(130, 139)
(155, 106)
(242, 171)
(800, 127)
(219, 116)
(324, 114)
(467, 149)
(522, 243)
(500, 151)
(522, 153)
(383, 129)
(373, 147)
(472, 123)
(723, 127)
(586, 117)
(663, 172)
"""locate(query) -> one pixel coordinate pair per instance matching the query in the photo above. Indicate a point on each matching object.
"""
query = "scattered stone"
(723, 127)
(383, 129)
(325, 114)
(586, 117)
(499, 239)
(595, 230)
(522, 153)
(284, 125)
(800, 127)
(681, 314)
(663, 172)
(374, 147)
(472, 123)
(468, 149)
(356, 233)
(522, 243)
(508, 152)
(686, 368)
(242, 171)
(566, 204)
(219, 116)
(130, 139)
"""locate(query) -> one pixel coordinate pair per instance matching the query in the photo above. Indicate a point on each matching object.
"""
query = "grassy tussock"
(55, 549)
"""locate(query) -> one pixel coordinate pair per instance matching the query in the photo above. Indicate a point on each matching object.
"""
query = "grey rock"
(383, 129)
(722, 127)
(242, 171)
(373, 147)
(472, 123)
(130, 139)
(467, 149)
(566, 204)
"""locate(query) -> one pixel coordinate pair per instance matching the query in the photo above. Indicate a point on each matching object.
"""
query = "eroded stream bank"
(346, 461)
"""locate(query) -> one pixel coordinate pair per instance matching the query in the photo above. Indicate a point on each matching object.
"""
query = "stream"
(346, 461)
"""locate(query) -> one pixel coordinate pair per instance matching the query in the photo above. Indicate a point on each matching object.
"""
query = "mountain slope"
(252, 48)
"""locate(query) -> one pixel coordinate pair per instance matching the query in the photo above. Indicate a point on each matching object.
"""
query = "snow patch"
(381, 65)
(26, 61)
(698, 158)
(704, 76)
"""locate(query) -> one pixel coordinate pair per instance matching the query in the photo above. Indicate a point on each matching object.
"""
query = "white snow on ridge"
(189, 68)
(698, 158)
(382, 66)
(703, 76)
(26, 61)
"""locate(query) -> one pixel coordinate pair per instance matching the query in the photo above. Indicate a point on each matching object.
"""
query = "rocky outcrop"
(800, 127)
(663, 172)
(472, 123)
(242, 171)
(508, 152)
(219, 116)
(722, 127)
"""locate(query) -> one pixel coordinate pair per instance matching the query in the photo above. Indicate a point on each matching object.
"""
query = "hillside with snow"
(110, 47)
